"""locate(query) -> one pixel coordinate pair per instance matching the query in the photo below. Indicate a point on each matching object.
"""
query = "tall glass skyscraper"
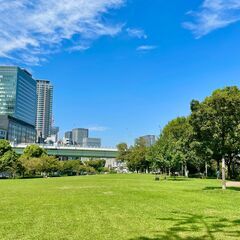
(17, 104)
(44, 108)
(17, 94)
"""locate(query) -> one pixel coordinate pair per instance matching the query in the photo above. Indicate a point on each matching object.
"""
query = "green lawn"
(117, 207)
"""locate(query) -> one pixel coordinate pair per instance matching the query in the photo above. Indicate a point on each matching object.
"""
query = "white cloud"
(136, 33)
(213, 14)
(145, 48)
(79, 48)
(98, 128)
(32, 29)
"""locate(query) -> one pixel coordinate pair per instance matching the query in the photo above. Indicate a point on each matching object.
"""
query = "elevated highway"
(73, 152)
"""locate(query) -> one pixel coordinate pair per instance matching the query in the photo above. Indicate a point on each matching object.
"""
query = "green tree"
(137, 158)
(49, 165)
(123, 152)
(98, 165)
(216, 124)
(4, 147)
(174, 144)
(156, 157)
(73, 167)
(83, 169)
(34, 151)
(31, 166)
(9, 161)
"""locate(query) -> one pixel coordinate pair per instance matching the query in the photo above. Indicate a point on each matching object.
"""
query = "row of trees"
(135, 156)
(35, 162)
(204, 141)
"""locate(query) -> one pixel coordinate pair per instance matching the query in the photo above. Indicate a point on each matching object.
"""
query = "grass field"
(132, 207)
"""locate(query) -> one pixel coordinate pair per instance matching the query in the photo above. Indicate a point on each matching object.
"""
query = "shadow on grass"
(177, 179)
(196, 227)
(219, 188)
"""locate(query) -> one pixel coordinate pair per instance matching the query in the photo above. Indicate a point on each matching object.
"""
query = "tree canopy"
(209, 134)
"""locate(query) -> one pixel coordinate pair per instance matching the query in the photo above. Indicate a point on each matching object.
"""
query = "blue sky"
(123, 68)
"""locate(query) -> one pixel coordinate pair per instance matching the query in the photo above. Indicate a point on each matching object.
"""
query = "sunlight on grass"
(118, 207)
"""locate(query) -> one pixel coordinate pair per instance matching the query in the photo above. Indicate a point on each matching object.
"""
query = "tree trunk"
(186, 171)
(233, 169)
(229, 170)
(223, 174)
(206, 169)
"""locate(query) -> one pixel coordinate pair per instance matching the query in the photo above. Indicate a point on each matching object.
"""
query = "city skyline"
(136, 65)
(119, 119)
(26, 112)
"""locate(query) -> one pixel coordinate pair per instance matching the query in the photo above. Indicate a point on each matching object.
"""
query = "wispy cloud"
(32, 29)
(98, 128)
(79, 48)
(136, 33)
(212, 15)
(146, 48)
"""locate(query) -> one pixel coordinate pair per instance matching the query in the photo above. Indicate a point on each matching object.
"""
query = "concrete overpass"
(73, 152)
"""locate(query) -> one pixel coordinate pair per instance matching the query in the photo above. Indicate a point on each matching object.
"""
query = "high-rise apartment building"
(44, 108)
(78, 134)
(17, 104)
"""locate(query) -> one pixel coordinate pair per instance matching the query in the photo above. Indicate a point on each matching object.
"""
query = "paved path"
(233, 184)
